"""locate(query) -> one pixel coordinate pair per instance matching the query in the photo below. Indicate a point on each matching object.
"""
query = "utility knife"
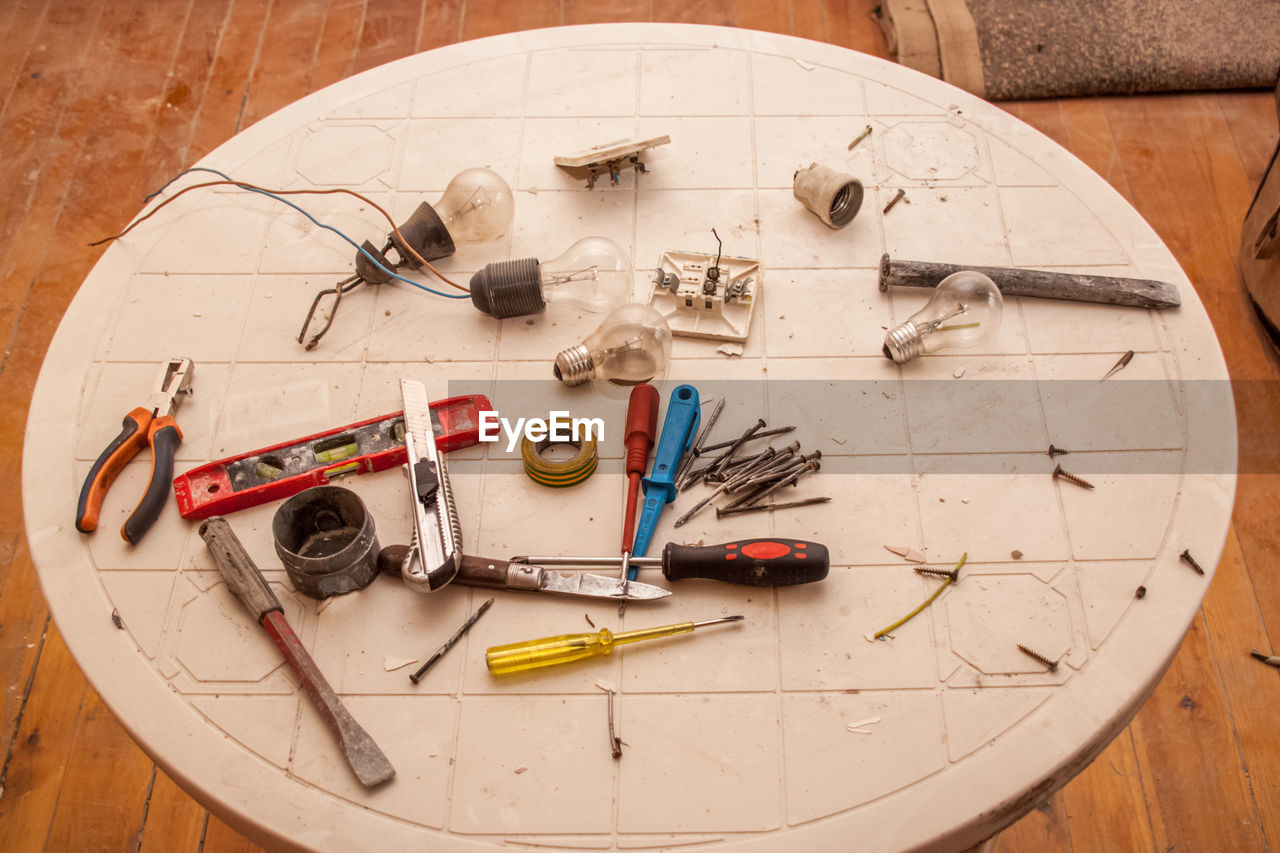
(501, 574)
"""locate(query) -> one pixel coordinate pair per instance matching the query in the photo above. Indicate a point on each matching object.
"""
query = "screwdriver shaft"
(566, 648)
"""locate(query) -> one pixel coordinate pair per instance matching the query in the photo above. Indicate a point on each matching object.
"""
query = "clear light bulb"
(964, 311)
(631, 345)
(477, 206)
(594, 274)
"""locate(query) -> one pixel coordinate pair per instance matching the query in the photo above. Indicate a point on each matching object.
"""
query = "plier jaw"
(172, 386)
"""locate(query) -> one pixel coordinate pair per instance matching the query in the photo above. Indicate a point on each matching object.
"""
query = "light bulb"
(477, 206)
(964, 311)
(594, 274)
(631, 345)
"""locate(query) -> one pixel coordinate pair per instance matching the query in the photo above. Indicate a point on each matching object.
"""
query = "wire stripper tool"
(151, 425)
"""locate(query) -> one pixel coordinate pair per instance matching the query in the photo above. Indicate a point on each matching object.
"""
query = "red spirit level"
(284, 469)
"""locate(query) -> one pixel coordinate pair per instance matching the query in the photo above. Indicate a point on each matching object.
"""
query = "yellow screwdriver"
(549, 651)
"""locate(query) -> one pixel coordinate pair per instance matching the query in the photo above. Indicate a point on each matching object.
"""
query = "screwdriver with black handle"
(751, 562)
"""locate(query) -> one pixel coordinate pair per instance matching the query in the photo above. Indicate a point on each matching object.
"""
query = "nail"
(751, 434)
(687, 462)
(615, 742)
(790, 478)
(721, 512)
(737, 445)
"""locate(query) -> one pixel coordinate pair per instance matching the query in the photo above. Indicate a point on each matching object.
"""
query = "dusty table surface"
(736, 736)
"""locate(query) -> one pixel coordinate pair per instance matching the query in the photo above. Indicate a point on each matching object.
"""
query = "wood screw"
(1052, 664)
(1186, 557)
(1071, 478)
(953, 574)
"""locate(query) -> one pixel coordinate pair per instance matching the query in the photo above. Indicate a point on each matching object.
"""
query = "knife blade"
(436, 545)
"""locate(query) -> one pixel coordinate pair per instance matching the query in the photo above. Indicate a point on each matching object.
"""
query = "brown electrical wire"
(247, 186)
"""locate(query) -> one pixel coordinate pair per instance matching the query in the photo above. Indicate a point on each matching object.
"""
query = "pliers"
(152, 425)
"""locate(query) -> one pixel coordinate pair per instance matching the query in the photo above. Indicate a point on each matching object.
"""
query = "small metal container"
(326, 540)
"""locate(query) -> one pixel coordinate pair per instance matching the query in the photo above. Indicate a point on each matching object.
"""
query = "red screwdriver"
(642, 430)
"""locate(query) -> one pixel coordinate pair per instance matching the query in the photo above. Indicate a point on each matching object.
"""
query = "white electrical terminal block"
(702, 299)
(611, 156)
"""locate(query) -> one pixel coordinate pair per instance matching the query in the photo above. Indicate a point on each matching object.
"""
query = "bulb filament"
(588, 274)
(936, 325)
(630, 345)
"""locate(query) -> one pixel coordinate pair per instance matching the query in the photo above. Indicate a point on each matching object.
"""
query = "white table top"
(736, 737)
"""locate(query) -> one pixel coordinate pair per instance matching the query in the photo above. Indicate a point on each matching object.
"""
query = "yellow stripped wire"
(937, 592)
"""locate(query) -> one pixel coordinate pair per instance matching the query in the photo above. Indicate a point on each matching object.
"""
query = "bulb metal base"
(903, 343)
(574, 366)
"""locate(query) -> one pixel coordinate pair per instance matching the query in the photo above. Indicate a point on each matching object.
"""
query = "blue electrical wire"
(279, 198)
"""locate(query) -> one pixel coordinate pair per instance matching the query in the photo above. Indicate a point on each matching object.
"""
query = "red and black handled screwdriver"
(752, 562)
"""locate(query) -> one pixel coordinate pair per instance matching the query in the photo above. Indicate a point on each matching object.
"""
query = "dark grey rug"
(1014, 49)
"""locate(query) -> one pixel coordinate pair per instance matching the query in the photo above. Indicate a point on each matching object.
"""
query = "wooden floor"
(101, 102)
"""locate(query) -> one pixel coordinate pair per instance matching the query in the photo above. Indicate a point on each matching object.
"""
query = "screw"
(888, 207)
(1052, 664)
(721, 512)
(953, 574)
(861, 136)
(1071, 478)
(1057, 451)
(1141, 592)
(1191, 561)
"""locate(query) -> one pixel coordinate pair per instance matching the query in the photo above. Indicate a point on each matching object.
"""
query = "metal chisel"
(248, 585)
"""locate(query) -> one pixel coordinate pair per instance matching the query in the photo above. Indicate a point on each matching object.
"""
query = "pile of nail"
(746, 478)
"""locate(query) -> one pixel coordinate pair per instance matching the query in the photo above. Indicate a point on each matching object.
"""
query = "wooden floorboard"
(101, 102)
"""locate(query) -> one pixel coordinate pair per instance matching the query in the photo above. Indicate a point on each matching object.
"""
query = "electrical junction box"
(702, 299)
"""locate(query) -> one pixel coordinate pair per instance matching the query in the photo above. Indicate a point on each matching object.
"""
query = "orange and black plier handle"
(142, 427)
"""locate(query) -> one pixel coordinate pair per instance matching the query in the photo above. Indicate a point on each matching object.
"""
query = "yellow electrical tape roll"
(558, 474)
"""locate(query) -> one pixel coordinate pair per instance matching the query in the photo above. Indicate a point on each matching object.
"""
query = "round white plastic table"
(790, 731)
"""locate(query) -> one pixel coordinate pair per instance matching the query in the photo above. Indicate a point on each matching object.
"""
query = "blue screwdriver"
(678, 430)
